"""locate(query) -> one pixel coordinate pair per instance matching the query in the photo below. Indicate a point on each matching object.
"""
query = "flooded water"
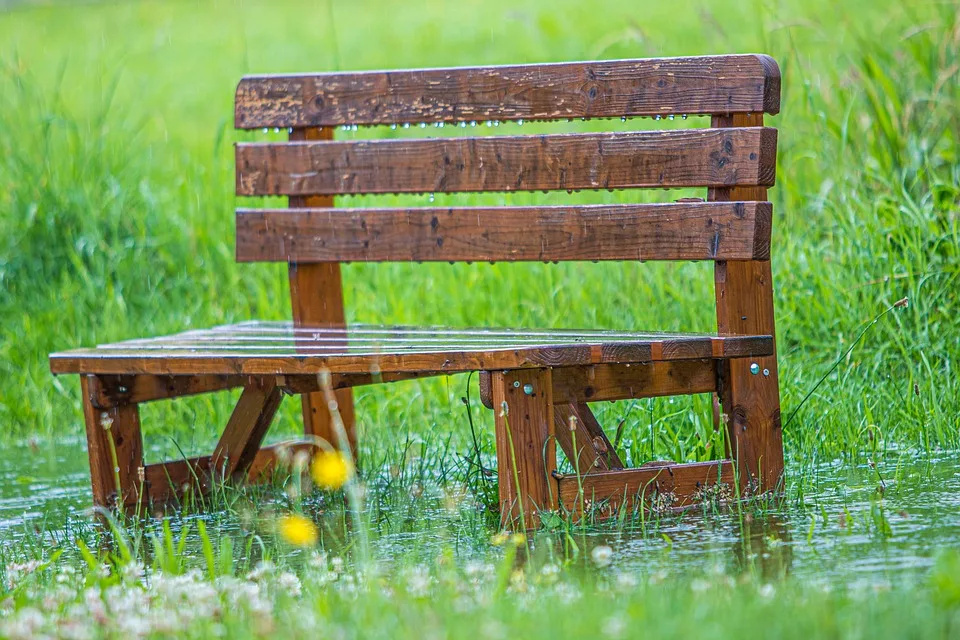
(842, 529)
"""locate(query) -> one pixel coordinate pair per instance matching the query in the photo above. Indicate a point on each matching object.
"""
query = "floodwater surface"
(854, 523)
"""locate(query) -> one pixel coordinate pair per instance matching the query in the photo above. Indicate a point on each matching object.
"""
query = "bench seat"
(266, 348)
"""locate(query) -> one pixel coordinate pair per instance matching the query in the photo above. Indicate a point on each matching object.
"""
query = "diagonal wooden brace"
(251, 418)
(582, 439)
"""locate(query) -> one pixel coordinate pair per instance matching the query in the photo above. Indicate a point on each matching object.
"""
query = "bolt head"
(516, 384)
(754, 368)
(766, 372)
(528, 389)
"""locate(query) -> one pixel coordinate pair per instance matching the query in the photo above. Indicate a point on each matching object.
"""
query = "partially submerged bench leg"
(526, 447)
(115, 447)
(749, 391)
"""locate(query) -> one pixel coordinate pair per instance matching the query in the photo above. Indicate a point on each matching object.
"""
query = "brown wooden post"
(316, 293)
(526, 448)
(127, 444)
(749, 390)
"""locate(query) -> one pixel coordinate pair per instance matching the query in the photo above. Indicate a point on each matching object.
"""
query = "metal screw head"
(516, 384)
(528, 389)
(766, 372)
(754, 368)
(122, 389)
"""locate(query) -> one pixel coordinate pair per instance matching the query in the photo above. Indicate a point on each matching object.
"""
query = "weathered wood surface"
(109, 391)
(659, 486)
(247, 427)
(603, 89)
(673, 231)
(613, 160)
(123, 440)
(316, 298)
(582, 439)
(278, 349)
(751, 403)
(526, 448)
(608, 382)
(168, 481)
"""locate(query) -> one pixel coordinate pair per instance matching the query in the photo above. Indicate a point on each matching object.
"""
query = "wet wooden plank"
(168, 481)
(639, 159)
(600, 89)
(660, 486)
(751, 403)
(526, 448)
(109, 391)
(610, 382)
(674, 231)
(115, 450)
(177, 360)
(247, 427)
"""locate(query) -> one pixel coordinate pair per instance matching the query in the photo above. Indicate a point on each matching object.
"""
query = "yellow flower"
(298, 531)
(331, 469)
(518, 539)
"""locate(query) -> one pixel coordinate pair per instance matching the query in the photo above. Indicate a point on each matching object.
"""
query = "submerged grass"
(116, 222)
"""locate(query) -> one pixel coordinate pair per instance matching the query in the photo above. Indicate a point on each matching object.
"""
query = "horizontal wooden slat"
(167, 481)
(110, 391)
(660, 86)
(675, 231)
(609, 382)
(279, 349)
(638, 159)
(661, 485)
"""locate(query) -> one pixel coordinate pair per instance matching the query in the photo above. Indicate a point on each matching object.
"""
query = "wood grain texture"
(582, 439)
(613, 160)
(248, 424)
(673, 231)
(526, 449)
(271, 349)
(316, 296)
(109, 391)
(602, 89)
(122, 437)
(751, 403)
(660, 487)
(608, 382)
(170, 481)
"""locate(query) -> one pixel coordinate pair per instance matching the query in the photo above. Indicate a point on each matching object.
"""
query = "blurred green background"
(116, 205)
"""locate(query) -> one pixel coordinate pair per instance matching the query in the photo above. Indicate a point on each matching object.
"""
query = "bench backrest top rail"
(705, 85)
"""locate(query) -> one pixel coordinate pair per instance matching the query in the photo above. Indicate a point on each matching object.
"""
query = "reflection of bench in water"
(539, 382)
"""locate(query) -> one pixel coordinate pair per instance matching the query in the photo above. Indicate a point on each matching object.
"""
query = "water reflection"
(764, 547)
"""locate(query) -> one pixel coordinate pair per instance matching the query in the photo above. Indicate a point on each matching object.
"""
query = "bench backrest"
(735, 160)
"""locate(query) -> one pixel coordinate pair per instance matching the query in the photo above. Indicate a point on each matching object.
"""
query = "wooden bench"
(538, 382)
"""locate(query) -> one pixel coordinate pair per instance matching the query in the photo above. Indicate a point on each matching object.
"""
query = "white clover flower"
(613, 627)
(627, 581)
(766, 591)
(602, 555)
(263, 569)
(290, 584)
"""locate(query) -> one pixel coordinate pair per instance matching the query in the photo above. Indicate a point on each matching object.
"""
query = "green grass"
(116, 222)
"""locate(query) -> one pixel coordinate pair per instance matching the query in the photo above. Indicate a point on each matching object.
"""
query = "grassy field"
(116, 221)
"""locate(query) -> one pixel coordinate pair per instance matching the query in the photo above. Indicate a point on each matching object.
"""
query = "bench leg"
(526, 447)
(115, 447)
